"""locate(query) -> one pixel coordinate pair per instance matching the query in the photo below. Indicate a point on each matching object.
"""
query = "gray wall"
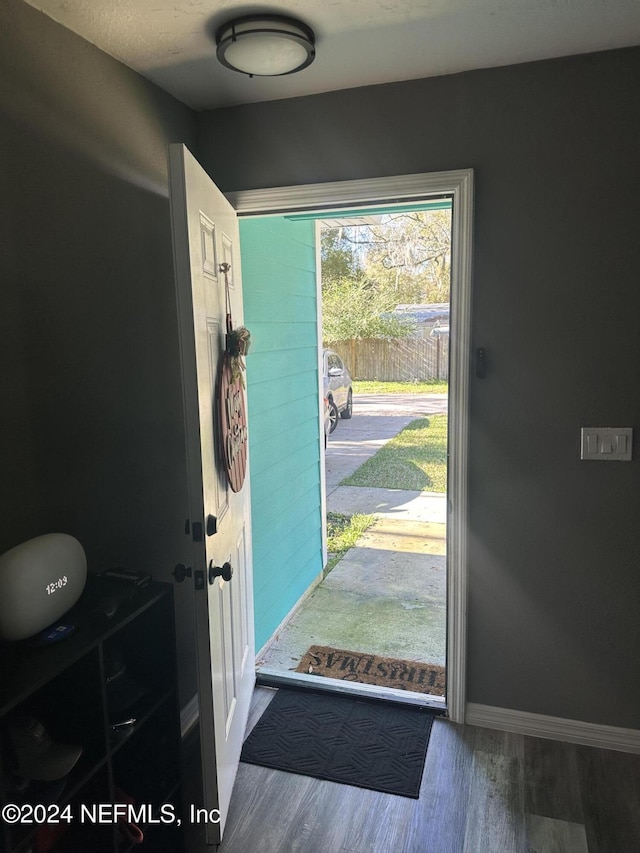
(90, 396)
(554, 558)
(90, 407)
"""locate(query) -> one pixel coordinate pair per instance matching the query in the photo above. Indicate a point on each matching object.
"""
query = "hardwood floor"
(483, 791)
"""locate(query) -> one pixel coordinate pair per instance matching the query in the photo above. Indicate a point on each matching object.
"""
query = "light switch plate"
(606, 444)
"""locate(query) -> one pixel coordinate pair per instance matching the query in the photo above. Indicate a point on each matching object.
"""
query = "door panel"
(205, 235)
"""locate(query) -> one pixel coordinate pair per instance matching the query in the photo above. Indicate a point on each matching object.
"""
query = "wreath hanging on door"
(233, 415)
(238, 343)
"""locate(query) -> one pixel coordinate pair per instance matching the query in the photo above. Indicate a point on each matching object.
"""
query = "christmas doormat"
(375, 745)
(373, 669)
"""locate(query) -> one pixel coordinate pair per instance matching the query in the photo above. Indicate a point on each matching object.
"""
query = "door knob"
(225, 572)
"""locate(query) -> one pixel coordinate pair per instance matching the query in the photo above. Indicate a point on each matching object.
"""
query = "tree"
(410, 253)
(338, 258)
(357, 308)
(369, 268)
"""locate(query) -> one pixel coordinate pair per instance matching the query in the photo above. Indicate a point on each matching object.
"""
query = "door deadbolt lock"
(225, 572)
(181, 572)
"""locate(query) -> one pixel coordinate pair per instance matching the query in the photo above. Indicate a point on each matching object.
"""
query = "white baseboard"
(555, 728)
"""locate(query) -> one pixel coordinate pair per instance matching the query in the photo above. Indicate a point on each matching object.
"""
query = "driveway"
(376, 419)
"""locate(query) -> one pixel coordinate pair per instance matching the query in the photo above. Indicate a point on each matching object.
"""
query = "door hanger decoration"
(233, 416)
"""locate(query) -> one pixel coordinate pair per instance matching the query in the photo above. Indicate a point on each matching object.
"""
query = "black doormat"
(375, 745)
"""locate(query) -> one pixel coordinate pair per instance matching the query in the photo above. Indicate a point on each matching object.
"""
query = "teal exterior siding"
(280, 306)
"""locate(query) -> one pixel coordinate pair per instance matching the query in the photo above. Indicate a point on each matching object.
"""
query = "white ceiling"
(358, 42)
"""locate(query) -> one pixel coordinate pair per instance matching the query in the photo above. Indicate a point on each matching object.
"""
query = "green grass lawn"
(415, 459)
(433, 386)
(343, 531)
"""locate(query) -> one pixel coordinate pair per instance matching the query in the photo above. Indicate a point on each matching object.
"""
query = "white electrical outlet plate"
(606, 444)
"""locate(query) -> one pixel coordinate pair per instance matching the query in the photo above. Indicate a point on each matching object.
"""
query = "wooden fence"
(396, 360)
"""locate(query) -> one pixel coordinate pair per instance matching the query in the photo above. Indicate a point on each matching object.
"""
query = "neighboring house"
(92, 432)
(425, 317)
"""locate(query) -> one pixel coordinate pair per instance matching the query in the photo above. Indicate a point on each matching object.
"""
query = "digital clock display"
(54, 586)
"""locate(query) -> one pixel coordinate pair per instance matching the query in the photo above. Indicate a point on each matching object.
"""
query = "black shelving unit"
(111, 688)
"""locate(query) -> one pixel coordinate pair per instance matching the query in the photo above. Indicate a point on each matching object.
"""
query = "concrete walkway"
(386, 596)
(389, 503)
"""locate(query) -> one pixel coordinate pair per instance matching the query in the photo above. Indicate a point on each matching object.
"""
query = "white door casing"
(396, 189)
(206, 237)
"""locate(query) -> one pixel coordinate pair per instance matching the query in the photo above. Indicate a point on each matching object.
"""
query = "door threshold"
(266, 677)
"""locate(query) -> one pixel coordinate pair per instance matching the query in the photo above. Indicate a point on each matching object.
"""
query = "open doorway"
(378, 615)
(322, 198)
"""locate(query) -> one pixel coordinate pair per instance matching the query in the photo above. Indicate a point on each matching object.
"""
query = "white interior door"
(208, 280)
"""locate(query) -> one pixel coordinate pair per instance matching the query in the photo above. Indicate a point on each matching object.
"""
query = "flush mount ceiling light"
(265, 45)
